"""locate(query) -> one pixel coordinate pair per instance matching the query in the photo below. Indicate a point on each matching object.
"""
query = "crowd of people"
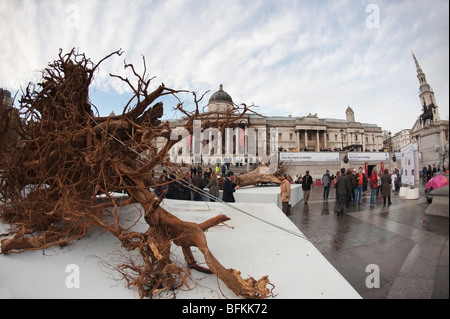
(192, 185)
(350, 185)
(428, 173)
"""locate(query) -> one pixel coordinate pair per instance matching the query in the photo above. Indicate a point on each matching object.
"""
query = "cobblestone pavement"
(406, 247)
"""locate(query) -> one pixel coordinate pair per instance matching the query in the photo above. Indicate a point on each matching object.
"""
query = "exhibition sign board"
(332, 156)
(309, 156)
(368, 156)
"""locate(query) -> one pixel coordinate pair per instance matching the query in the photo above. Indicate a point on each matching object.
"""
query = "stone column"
(317, 141)
(363, 142)
(306, 139)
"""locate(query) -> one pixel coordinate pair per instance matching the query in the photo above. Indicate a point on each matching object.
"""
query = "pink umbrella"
(437, 181)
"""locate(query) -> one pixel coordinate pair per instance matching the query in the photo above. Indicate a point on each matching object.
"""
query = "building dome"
(221, 96)
(220, 101)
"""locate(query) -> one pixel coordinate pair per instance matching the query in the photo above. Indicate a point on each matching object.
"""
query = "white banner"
(309, 156)
(368, 156)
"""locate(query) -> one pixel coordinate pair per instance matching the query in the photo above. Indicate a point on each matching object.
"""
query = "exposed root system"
(57, 156)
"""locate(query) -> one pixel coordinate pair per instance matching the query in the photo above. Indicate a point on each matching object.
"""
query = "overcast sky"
(289, 57)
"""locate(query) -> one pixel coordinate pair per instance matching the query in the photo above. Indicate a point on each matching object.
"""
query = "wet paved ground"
(409, 248)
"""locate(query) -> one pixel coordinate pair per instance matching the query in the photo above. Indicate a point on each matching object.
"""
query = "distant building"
(9, 118)
(289, 134)
(5, 98)
(401, 139)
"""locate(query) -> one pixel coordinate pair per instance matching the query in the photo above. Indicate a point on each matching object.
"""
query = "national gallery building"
(253, 136)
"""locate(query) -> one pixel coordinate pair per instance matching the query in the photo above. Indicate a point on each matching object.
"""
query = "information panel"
(409, 160)
(309, 156)
(368, 156)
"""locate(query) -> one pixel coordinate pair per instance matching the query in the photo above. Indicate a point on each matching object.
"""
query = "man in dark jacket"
(306, 186)
(199, 183)
(326, 181)
(173, 188)
(229, 187)
(343, 187)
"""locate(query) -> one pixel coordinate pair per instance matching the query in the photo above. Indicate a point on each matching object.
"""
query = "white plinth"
(402, 191)
(412, 193)
(252, 246)
(266, 194)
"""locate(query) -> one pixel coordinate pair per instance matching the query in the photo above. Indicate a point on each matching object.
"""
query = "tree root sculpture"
(57, 157)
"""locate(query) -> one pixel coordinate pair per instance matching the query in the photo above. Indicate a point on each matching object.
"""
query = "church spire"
(426, 94)
(420, 75)
(419, 70)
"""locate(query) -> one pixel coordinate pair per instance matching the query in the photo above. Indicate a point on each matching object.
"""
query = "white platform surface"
(266, 194)
(255, 248)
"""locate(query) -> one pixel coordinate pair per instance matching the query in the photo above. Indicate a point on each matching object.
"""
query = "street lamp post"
(390, 141)
(342, 138)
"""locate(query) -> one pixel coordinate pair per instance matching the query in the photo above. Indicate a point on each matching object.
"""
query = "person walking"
(373, 184)
(306, 186)
(199, 183)
(224, 169)
(161, 186)
(359, 182)
(434, 170)
(207, 175)
(386, 182)
(285, 187)
(185, 189)
(379, 183)
(424, 174)
(393, 181)
(399, 180)
(338, 174)
(326, 181)
(213, 186)
(351, 174)
(343, 188)
(229, 187)
(173, 190)
(193, 171)
(429, 173)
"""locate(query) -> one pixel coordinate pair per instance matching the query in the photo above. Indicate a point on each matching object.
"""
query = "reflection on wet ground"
(409, 247)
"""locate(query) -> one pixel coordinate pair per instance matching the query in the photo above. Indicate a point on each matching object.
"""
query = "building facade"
(254, 137)
(401, 139)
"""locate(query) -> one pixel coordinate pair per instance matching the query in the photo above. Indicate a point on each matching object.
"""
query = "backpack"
(326, 179)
